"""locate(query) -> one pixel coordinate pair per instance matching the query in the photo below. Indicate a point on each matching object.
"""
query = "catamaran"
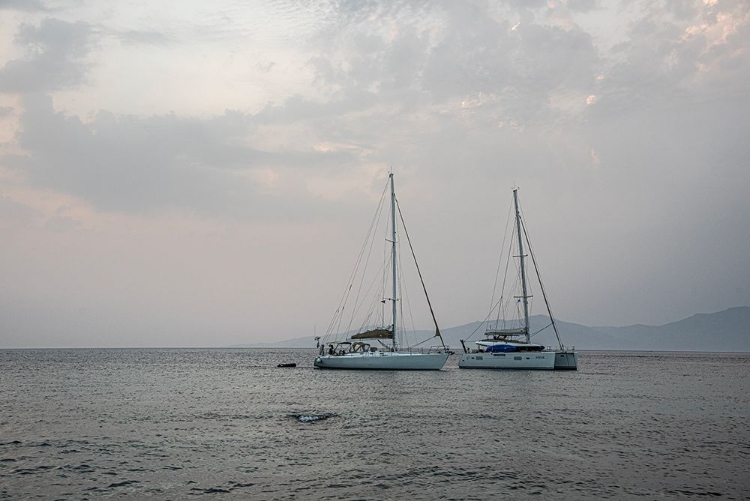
(378, 346)
(508, 345)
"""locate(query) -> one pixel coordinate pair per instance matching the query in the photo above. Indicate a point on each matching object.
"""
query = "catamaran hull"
(383, 361)
(544, 360)
(566, 360)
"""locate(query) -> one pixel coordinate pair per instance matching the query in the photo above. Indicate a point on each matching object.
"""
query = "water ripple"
(172, 424)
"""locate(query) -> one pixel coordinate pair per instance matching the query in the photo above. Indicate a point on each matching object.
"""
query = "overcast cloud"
(186, 174)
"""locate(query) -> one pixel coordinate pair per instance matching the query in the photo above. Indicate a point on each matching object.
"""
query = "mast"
(393, 257)
(525, 296)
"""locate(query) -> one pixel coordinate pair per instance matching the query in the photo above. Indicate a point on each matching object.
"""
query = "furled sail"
(506, 332)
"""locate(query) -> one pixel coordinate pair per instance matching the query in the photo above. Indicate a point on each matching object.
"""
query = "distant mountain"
(727, 331)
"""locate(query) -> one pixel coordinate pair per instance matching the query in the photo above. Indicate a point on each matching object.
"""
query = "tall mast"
(525, 296)
(393, 257)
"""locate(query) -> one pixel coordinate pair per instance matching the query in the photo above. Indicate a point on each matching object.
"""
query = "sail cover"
(374, 334)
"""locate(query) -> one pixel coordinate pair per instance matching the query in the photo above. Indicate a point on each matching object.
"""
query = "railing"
(431, 349)
(376, 351)
(439, 349)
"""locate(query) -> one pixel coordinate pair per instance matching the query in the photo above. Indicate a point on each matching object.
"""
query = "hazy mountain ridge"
(727, 330)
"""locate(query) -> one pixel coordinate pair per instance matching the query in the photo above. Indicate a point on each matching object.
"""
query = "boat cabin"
(345, 347)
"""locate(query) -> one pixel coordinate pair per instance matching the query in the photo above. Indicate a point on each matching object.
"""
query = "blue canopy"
(501, 348)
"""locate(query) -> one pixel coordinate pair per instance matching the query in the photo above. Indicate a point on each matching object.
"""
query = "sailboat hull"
(383, 361)
(544, 360)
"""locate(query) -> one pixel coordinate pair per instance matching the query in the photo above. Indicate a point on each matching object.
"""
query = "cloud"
(669, 59)
(137, 37)
(15, 212)
(582, 5)
(595, 161)
(141, 165)
(621, 142)
(130, 163)
(22, 5)
(424, 56)
(55, 57)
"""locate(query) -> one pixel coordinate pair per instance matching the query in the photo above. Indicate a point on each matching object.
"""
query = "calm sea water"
(229, 424)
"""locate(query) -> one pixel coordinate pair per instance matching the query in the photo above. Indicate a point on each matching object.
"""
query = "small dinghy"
(287, 365)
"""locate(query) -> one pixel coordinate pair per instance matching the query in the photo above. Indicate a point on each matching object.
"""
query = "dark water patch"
(138, 469)
(81, 468)
(25, 471)
(241, 484)
(337, 486)
(210, 490)
(124, 483)
(222, 489)
(211, 416)
(220, 417)
(702, 494)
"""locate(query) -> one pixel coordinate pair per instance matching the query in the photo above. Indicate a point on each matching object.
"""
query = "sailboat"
(509, 346)
(378, 347)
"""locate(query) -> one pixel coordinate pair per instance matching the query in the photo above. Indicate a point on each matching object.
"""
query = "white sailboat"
(511, 347)
(378, 347)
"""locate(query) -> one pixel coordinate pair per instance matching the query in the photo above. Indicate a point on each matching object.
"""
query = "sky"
(189, 173)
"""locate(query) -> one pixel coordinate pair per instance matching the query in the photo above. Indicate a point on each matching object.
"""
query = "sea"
(229, 424)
